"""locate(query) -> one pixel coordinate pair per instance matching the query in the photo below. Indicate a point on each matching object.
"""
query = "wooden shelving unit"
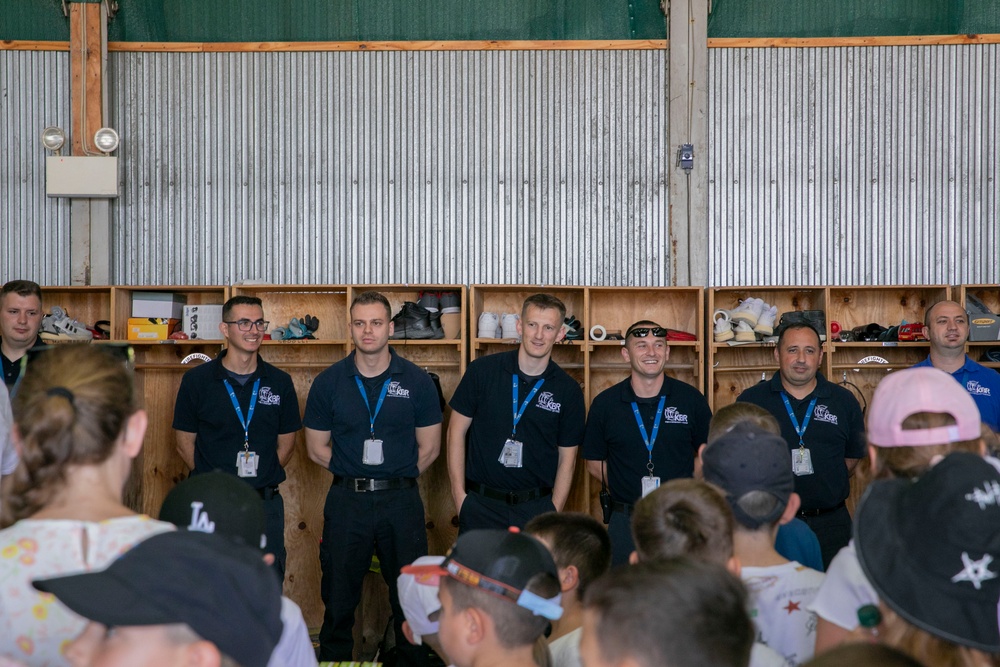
(989, 295)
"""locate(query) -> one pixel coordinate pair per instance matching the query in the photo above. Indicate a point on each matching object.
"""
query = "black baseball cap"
(931, 549)
(216, 502)
(745, 459)
(502, 562)
(220, 589)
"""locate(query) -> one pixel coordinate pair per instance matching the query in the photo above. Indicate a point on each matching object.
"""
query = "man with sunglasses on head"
(642, 432)
(239, 414)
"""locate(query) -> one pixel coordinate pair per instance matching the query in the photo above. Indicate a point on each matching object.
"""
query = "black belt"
(509, 497)
(268, 492)
(809, 513)
(623, 508)
(365, 484)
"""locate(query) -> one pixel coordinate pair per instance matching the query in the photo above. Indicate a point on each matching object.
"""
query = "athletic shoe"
(992, 355)
(59, 326)
(488, 323)
(430, 300)
(765, 325)
(413, 322)
(748, 311)
(451, 302)
(574, 330)
(508, 326)
(744, 334)
(723, 328)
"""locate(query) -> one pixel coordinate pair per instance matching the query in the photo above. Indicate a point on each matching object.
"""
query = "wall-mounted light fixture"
(89, 176)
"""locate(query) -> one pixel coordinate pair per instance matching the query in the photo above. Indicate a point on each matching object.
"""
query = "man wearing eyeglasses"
(511, 460)
(643, 431)
(239, 414)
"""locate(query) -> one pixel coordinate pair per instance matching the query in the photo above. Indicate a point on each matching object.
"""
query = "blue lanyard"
(239, 413)
(378, 406)
(800, 430)
(524, 406)
(649, 441)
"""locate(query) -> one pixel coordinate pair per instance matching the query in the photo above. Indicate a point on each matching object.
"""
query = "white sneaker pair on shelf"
(752, 316)
(504, 325)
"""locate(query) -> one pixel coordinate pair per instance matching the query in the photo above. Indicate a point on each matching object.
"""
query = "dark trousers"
(390, 523)
(274, 530)
(482, 512)
(833, 530)
(620, 532)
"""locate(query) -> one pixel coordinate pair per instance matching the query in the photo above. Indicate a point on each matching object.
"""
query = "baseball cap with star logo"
(931, 549)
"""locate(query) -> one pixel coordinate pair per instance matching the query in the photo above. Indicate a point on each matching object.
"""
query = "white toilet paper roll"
(597, 332)
(724, 313)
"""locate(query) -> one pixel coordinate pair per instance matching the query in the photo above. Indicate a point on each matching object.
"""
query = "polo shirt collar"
(222, 374)
(510, 365)
(822, 390)
(628, 393)
(395, 366)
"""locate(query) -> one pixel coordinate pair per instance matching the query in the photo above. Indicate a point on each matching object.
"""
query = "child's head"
(579, 545)
(918, 414)
(498, 592)
(727, 417)
(684, 517)
(418, 596)
(753, 468)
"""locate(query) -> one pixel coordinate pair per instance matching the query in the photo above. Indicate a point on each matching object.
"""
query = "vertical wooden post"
(688, 124)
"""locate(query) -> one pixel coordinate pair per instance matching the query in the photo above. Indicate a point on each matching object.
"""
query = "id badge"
(649, 484)
(510, 457)
(802, 463)
(246, 464)
(371, 455)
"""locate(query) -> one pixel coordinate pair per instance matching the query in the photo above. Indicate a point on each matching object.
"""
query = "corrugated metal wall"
(34, 230)
(855, 165)
(833, 165)
(384, 167)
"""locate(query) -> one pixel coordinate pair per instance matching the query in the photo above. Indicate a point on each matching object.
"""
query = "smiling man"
(643, 431)
(374, 421)
(20, 320)
(511, 460)
(824, 429)
(239, 414)
(946, 326)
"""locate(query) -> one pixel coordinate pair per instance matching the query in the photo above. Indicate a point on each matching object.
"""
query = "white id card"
(371, 455)
(246, 464)
(802, 463)
(649, 484)
(510, 457)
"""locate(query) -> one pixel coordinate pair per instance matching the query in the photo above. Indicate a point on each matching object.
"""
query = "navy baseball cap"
(216, 502)
(220, 589)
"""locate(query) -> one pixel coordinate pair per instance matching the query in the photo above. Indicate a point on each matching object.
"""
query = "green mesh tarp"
(410, 20)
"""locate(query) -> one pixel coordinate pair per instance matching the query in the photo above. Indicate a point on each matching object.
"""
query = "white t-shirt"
(779, 606)
(294, 649)
(566, 650)
(844, 590)
(762, 655)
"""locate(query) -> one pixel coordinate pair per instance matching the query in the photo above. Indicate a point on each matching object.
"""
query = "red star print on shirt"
(792, 606)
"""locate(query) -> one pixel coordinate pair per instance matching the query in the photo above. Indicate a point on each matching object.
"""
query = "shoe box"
(202, 322)
(151, 328)
(984, 325)
(168, 305)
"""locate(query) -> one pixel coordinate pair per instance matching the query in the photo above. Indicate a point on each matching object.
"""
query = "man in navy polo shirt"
(643, 431)
(516, 424)
(20, 321)
(824, 429)
(946, 326)
(374, 421)
(239, 414)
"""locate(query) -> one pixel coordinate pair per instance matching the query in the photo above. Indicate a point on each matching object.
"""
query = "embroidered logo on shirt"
(265, 397)
(988, 495)
(545, 402)
(976, 389)
(822, 414)
(396, 390)
(672, 416)
(975, 571)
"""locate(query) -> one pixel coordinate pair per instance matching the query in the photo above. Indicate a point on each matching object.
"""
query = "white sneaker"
(508, 326)
(488, 323)
(744, 334)
(723, 326)
(765, 324)
(748, 311)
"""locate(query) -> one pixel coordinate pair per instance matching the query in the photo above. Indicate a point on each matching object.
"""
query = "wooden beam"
(86, 76)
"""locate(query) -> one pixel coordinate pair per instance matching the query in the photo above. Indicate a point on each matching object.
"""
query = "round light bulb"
(53, 138)
(106, 140)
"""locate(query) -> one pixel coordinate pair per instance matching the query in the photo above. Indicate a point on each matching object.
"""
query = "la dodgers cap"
(502, 562)
(745, 459)
(216, 502)
(931, 549)
(221, 589)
